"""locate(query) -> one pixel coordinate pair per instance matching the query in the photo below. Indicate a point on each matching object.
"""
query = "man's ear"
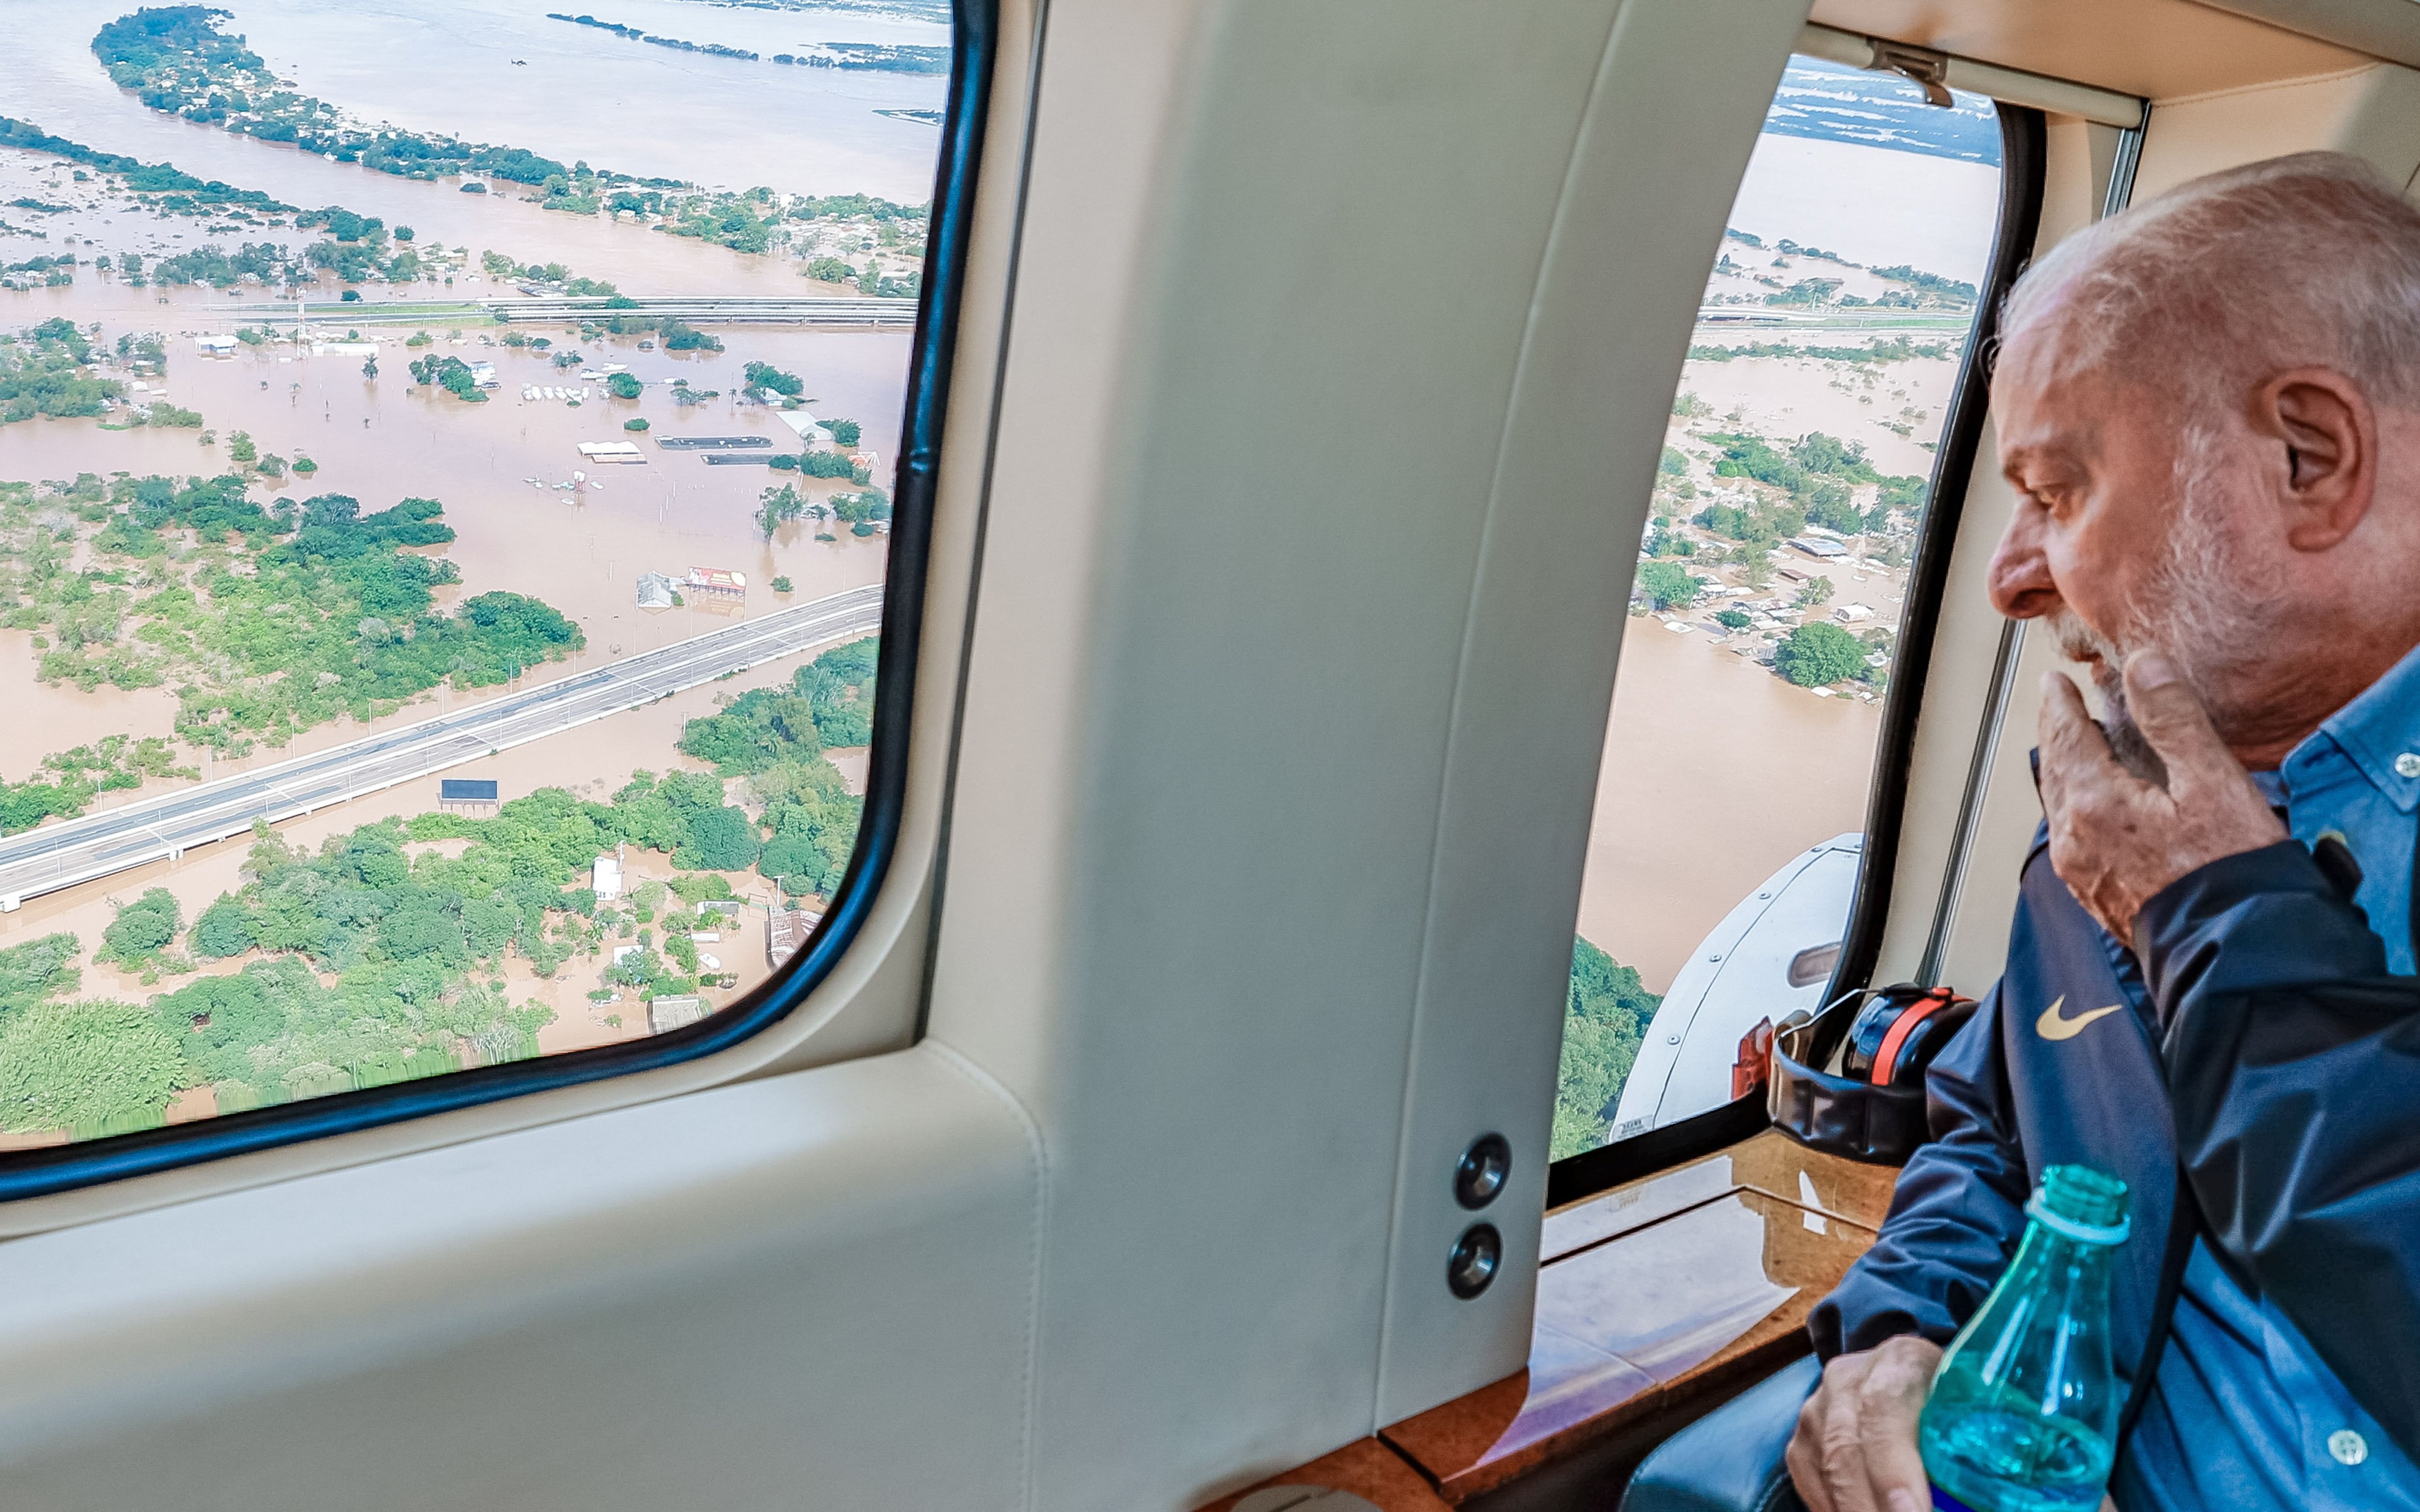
(2326, 437)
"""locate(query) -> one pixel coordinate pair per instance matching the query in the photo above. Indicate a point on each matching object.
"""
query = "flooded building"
(667, 1013)
(605, 878)
(465, 795)
(786, 930)
(722, 582)
(654, 591)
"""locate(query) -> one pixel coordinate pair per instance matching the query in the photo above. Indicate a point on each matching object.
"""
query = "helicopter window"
(530, 722)
(1789, 510)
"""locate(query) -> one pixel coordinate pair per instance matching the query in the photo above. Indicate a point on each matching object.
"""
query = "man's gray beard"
(2204, 608)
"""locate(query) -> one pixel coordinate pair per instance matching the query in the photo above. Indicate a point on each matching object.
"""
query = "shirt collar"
(2375, 731)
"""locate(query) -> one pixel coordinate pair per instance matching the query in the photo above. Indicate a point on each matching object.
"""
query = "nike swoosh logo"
(2050, 1027)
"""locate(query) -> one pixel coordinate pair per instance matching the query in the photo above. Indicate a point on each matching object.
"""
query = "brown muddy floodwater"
(1716, 773)
(500, 72)
(578, 545)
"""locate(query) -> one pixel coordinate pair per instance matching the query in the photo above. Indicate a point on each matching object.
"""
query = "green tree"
(1732, 619)
(1674, 465)
(766, 376)
(1605, 1019)
(1819, 655)
(1815, 591)
(623, 386)
(37, 969)
(1828, 505)
(719, 840)
(1668, 585)
(223, 929)
(1905, 494)
(241, 448)
(775, 506)
(142, 928)
(86, 1064)
(1819, 452)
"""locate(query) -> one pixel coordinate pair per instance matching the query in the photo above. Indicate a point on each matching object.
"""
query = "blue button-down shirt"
(2246, 1415)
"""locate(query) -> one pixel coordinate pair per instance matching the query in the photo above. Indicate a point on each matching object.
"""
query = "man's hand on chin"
(2116, 839)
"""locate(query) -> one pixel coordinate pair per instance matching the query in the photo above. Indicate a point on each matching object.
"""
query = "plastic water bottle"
(2023, 1411)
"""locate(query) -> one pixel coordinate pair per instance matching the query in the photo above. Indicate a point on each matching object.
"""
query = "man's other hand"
(1854, 1450)
(2116, 839)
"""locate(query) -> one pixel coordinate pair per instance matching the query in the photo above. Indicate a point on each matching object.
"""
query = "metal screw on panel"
(1482, 1171)
(1476, 1256)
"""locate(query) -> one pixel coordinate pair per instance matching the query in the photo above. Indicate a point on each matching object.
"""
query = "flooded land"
(307, 312)
(1771, 580)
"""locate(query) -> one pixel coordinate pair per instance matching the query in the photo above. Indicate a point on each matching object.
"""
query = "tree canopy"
(1605, 1020)
(1819, 655)
(88, 1066)
(1669, 585)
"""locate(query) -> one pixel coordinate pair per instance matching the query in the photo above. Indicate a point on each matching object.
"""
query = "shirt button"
(2348, 1447)
(2408, 764)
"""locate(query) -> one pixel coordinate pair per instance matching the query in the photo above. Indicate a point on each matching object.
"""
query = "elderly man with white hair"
(2208, 408)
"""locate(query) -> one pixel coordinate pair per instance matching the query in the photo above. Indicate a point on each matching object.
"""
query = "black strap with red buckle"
(1873, 1109)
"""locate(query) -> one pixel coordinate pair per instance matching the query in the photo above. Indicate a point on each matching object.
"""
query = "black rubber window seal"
(974, 49)
(2022, 153)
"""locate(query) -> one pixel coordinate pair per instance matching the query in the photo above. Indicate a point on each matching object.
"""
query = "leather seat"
(1730, 1460)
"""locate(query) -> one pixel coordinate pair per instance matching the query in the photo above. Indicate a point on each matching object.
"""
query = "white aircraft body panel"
(1740, 973)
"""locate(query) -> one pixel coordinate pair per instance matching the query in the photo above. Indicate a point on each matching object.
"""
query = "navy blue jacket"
(2256, 1044)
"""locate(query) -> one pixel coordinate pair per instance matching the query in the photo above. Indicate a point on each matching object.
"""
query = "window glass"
(1723, 853)
(445, 469)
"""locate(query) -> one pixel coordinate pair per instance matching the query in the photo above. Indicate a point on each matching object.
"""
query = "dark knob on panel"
(1482, 1171)
(1477, 1254)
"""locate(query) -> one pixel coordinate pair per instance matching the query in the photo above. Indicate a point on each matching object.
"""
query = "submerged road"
(80, 850)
